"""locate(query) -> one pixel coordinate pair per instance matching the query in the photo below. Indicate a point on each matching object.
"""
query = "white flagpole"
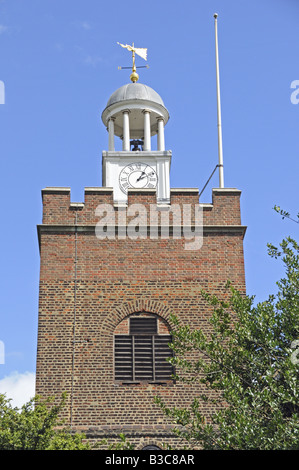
(220, 150)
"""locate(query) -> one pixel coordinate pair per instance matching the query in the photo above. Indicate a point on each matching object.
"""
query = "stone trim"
(77, 205)
(98, 190)
(62, 228)
(56, 189)
(90, 229)
(184, 190)
(226, 190)
(113, 431)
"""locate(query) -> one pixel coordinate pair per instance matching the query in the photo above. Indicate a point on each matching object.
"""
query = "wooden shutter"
(143, 358)
(163, 370)
(123, 358)
(142, 355)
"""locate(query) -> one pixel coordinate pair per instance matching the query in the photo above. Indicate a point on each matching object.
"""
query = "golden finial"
(142, 52)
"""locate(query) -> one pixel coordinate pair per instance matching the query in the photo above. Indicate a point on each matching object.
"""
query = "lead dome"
(136, 99)
(135, 91)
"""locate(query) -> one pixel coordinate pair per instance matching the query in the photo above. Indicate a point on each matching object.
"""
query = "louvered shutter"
(142, 355)
(163, 369)
(123, 358)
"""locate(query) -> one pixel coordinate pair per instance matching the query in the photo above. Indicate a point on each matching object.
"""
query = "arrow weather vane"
(142, 52)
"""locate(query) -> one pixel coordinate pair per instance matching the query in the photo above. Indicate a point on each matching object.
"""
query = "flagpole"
(220, 149)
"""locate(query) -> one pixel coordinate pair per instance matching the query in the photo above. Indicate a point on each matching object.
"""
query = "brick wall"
(89, 287)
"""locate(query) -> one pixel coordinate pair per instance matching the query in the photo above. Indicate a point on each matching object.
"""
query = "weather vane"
(142, 52)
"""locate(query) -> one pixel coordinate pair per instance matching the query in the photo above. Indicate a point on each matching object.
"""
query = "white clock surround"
(113, 163)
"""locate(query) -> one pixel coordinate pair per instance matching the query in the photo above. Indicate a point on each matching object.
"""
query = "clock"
(137, 175)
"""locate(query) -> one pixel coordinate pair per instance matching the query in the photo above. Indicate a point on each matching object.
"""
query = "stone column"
(147, 130)
(126, 131)
(161, 139)
(111, 147)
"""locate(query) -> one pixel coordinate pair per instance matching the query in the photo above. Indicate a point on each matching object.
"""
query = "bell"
(136, 144)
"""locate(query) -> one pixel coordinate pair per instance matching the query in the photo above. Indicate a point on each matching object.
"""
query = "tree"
(284, 214)
(249, 362)
(36, 426)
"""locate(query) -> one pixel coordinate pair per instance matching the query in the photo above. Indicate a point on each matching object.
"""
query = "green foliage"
(123, 444)
(247, 364)
(36, 426)
(284, 214)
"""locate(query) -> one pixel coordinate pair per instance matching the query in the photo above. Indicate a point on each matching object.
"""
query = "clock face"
(137, 175)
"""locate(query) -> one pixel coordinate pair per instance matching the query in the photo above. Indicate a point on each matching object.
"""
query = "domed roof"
(135, 97)
(135, 91)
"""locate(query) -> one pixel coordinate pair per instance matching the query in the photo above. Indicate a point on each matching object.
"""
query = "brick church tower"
(116, 266)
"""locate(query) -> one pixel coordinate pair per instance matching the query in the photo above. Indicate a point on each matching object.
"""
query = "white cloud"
(88, 59)
(82, 25)
(19, 387)
(92, 60)
(85, 25)
(3, 28)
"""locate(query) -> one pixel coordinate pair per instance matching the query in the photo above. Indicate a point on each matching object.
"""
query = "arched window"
(141, 349)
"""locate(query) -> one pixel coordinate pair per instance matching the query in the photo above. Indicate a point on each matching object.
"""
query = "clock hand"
(143, 175)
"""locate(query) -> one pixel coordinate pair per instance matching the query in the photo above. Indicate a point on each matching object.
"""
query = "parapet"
(59, 210)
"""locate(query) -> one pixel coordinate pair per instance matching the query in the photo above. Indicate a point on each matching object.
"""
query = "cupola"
(135, 113)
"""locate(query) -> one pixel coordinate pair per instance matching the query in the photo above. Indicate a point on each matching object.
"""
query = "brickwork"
(89, 288)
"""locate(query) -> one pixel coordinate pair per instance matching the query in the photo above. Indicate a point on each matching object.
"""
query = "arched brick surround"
(128, 308)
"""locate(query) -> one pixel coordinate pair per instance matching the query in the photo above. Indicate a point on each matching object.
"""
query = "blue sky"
(59, 65)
